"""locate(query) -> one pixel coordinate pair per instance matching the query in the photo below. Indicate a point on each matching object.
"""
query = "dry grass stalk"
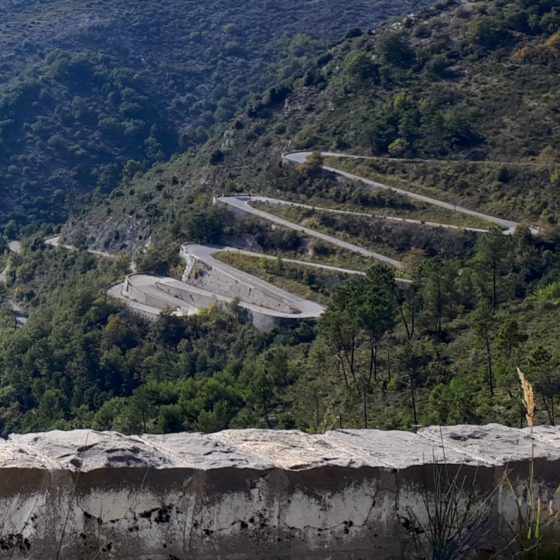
(528, 398)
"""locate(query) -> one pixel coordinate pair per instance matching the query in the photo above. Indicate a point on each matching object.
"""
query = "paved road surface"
(280, 202)
(242, 203)
(18, 312)
(300, 157)
(56, 241)
(327, 267)
(302, 308)
(14, 246)
(155, 286)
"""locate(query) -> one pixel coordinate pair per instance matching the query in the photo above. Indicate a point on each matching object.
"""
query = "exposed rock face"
(348, 494)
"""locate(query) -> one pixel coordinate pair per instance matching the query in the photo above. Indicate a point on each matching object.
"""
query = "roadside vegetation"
(306, 281)
(442, 350)
(357, 197)
(520, 191)
(389, 238)
(474, 84)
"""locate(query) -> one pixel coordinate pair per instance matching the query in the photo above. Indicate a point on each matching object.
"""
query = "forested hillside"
(460, 102)
(94, 91)
(476, 85)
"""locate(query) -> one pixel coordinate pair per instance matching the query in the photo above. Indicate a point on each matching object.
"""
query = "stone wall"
(186, 296)
(252, 494)
(234, 283)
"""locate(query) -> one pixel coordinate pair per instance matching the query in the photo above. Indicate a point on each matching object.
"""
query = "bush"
(395, 50)
(360, 66)
(217, 157)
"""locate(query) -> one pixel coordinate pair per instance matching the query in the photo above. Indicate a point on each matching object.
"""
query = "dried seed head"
(528, 398)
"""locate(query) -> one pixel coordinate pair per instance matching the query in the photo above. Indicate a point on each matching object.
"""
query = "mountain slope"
(472, 82)
(475, 311)
(86, 87)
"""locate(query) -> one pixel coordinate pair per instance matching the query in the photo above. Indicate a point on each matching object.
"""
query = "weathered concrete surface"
(252, 494)
(262, 299)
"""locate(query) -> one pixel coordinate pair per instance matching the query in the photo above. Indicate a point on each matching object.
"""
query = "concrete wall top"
(88, 450)
(262, 495)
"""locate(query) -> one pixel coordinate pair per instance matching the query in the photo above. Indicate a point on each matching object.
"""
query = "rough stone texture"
(252, 494)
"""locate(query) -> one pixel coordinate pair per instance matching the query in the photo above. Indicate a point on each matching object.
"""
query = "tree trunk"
(403, 317)
(439, 310)
(344, 354)
(409, 333)
(413, 401)
(374, 344)
(489, 366)
(494, 281)
(549, 411)
(350, 361)
(340, 366)
(364, 399)
(413, 315)
(353, 357)
(265, 410)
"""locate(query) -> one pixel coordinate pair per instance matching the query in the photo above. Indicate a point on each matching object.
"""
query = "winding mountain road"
(299, 307)
(242, 203)
(281, 202)
(319, 266)
(212, 282)
(56, 241)
(301, 157)
(18, 312)
(208, 280)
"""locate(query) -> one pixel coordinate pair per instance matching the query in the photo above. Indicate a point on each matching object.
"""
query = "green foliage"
(383, 354)
(395, 50)
(312, 165)
(360, 66)
(44, 156)
(160, 258)
(487, 33)
(453, 520)
(472, 89)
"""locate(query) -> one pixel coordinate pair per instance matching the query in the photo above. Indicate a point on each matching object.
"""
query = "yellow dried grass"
(528, 398)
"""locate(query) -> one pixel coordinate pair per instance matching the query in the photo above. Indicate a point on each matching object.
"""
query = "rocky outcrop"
(248, 494)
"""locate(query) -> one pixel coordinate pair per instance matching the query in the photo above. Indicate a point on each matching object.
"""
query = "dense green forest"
(471, 89)
(441, 350)
(94, 91)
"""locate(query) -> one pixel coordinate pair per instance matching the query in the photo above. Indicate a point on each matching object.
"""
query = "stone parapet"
(251, 494)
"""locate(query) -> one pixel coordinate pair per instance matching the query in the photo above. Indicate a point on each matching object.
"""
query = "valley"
(92, 93)
(391, 186)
